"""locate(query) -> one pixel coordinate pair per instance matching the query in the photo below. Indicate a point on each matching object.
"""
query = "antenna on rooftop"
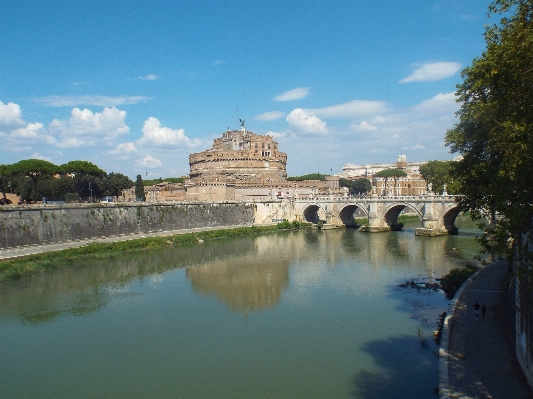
(237, 120)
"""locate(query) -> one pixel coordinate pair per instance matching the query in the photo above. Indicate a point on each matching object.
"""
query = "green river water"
(308, 314)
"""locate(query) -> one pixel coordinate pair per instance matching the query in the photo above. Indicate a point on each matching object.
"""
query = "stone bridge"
(437, 212)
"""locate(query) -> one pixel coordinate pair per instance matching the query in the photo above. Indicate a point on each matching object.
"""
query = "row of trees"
(33, 179)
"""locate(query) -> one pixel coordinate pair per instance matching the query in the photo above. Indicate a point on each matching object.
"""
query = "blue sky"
(136, 86)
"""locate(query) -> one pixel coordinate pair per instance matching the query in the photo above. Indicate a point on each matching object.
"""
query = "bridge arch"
(393, 211)
(449, 220)
(347, 211)
(314, 213)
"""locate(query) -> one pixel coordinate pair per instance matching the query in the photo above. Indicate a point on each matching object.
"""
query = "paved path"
(477, 356)
(37, 249)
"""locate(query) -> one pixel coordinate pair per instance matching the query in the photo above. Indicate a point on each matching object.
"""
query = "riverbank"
(36, 259)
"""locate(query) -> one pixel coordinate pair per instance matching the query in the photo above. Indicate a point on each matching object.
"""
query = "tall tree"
(438, 174)
(35, 169)
(139, 189)
(358, 186)
(87, 177)
(5, 177)
(388, 173)
(115, 183)
(495, 129)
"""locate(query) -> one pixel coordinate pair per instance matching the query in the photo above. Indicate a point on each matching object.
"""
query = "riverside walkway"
(477, 356)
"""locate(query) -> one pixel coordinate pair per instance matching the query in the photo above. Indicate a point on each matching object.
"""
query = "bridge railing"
(409, 198)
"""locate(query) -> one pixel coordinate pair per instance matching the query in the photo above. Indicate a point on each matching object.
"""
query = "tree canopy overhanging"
(495, 129)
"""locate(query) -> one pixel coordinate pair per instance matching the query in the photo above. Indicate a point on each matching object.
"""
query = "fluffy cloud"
(99, 101)
(87, 128)
(148, 162)
(431, 71)
(352, 109)
(159, 136)
(305, 123)
(123, 148)
(366, 127)
(10, 116)
(16, 129)
(270, 116)
(441, 103)
(32, 132)
(294, 94)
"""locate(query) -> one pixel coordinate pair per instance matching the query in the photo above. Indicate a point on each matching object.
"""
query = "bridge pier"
(433, 226)
(376, 221)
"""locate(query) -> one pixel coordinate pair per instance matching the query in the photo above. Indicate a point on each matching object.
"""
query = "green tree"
(495, 129)
(115, 183)
(358, 186)
(438, 174)
(55, 188)
(87, 177)
(82, 168)
(139, 189)
(388, 173)
(36, 170)
(25, 189)
(5, 179)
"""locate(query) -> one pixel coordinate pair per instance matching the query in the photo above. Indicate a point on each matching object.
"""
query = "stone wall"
(522, 306)
(42, 224)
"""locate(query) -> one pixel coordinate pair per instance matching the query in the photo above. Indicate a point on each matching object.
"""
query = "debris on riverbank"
(420, 285)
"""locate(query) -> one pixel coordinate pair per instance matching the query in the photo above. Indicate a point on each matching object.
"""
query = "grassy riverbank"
(11, 269)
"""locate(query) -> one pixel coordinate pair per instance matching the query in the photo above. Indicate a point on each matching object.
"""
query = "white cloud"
(431, 71)
(366, 127)
(352, 109)
(414, 147)
(10, 116)
(41, 157)
(302, 122)
(440, 104)
(159, 136)
(148, 162)
(294, 94)
(87, 128)
(20, 149)
(270, 116)
(124, 148)
(278, 135)
(100, 101)
(148, 77)
(32, 132)
(218, 62)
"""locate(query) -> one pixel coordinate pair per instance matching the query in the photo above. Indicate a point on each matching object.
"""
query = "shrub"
(452, 281)
(72, 197)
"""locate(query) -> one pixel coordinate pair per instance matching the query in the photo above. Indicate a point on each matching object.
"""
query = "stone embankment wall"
(35, 225)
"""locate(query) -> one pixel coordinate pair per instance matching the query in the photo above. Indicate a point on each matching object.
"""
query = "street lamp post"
(91, 188)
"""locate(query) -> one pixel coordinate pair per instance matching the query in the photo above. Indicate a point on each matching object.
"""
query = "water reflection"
(403, 361)
(322, 307)
(247, 274)
(242, 284)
